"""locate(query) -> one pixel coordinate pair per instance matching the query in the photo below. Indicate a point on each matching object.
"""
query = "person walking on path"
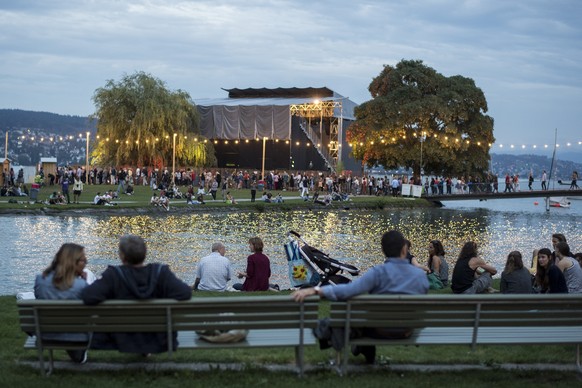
(574, 184)
(544, 180)
(507, 183)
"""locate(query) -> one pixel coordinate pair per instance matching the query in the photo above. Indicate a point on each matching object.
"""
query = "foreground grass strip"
(251, 373)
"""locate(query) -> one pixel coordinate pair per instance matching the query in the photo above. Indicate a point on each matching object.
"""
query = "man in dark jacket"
(135, 280)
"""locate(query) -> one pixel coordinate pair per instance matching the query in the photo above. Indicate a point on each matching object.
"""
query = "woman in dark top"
(515, 279)
(471, 274)
(549, 278)
(258, 268)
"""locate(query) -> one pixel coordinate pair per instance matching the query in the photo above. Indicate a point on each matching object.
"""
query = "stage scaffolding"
(331, 151)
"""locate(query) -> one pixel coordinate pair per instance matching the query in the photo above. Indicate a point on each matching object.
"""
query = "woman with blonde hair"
(64, 278)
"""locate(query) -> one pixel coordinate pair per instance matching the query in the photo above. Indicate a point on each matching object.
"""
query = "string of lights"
(495, 146)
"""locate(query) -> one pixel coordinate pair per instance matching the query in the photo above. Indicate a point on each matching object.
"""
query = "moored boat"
(559, 202)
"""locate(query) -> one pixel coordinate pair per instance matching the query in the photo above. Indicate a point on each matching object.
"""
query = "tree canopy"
(138, 119)
(414, 106)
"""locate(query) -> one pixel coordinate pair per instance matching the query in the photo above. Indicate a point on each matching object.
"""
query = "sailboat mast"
(553, 156)
(552, 168)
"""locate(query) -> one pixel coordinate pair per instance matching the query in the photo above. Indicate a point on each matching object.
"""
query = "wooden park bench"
(463, 320)
(272, 321)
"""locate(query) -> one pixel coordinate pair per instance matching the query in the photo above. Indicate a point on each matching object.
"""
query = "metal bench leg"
(299, 362)
(41, 360)
(51, 363)
(578, 357)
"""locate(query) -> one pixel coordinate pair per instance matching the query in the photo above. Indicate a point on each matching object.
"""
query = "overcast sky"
(526, 55)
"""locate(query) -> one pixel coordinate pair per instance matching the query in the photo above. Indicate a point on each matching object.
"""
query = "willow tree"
(418, 118)
(138, 119)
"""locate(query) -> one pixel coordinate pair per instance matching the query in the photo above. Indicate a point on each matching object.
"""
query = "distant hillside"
(523, 164)
(45, 121)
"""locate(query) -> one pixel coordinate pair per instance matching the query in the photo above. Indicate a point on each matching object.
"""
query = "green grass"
(14, 373)
(142, 195)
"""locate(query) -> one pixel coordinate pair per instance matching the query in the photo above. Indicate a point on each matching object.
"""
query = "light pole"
(263, 168)
(422, 139)
(87, 160)
(174, 158)
(6, 147)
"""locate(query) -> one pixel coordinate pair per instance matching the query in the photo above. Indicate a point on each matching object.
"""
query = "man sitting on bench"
(135, 280)
(395, 276)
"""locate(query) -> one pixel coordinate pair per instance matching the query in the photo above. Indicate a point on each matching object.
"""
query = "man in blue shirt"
(395, 276)
(65, 189)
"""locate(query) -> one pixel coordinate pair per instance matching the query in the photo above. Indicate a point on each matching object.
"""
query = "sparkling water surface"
(353, 236)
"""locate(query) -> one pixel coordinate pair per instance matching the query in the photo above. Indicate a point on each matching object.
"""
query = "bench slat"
(255, 338)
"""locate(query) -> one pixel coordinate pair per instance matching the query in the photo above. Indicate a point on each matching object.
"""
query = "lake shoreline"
(126, 209)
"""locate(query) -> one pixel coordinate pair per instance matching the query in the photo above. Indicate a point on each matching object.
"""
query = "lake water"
(498, 226)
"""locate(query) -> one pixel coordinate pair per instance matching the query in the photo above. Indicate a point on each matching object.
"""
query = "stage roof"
(257, 113)
(280, 93)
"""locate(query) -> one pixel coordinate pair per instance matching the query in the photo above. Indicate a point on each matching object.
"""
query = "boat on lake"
(559, 202)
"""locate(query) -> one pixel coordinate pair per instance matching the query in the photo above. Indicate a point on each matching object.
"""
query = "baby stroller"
(310, 267)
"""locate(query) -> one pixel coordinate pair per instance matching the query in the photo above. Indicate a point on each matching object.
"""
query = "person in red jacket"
(258, 269)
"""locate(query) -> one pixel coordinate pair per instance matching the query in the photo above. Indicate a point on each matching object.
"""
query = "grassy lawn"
(142, 195)
(13, 373)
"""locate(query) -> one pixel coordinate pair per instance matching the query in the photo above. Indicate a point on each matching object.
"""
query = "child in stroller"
(310, 267)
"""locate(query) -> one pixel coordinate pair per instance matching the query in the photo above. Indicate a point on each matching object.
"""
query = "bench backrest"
(245, 312)
(417, 311)
(72, 316)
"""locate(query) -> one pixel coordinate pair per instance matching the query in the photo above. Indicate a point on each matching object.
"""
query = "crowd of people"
(218, 182)
(553, 271)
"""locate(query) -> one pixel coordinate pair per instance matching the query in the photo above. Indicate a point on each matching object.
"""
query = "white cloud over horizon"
(525, 55)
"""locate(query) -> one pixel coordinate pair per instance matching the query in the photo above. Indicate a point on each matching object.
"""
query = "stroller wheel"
(337, 279)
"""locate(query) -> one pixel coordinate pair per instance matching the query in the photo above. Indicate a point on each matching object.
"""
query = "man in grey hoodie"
(135, 280)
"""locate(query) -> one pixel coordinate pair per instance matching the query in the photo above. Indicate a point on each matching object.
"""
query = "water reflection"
(347, 235)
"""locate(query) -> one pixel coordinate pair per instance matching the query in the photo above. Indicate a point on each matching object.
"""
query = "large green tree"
(137, 120)
(417, 113)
